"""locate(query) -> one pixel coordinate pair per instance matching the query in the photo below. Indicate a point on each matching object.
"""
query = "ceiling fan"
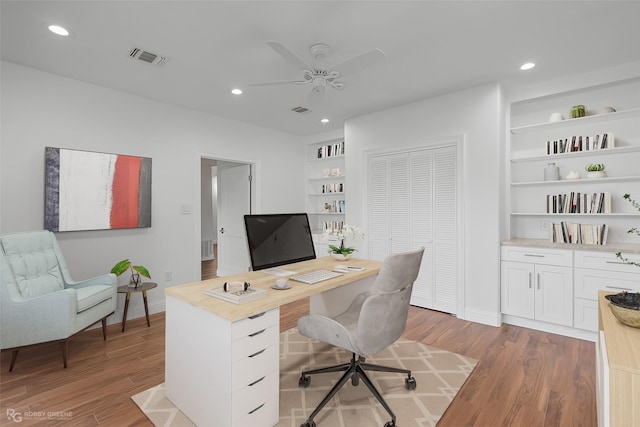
(318, 73)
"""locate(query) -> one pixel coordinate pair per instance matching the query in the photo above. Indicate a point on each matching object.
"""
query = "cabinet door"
(554, 294)
(516, 291)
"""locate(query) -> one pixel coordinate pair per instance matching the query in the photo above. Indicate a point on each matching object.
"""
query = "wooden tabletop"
(144, 286)
(193, 293)
(623, 342)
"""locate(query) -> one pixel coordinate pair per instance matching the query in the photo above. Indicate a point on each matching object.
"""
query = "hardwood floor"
(523, 378)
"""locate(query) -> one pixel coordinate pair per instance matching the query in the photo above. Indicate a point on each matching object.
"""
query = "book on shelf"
(577, 143)
(237, 296)
(579, 203)
(579, 234)
(331, 150)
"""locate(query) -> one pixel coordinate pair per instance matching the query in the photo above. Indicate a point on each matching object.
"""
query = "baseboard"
(567, 331)
(484, 317)
(135, 312)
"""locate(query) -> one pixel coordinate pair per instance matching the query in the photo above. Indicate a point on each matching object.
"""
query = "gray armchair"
(39, 302)
(373, 321)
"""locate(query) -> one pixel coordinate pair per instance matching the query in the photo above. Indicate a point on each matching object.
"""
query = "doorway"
(226, 192)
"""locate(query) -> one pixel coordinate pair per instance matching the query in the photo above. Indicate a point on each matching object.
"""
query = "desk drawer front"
(266, 415)
(606, 261)
(537, 255)
(248, 399)
(588, 282)
(251, 369)
(253, 324)
(255, 342)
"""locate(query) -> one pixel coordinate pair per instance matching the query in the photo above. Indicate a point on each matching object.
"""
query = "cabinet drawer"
(254, 342)
(250, 325)
(265, 415)
(587, 282)
(606, 261)
(250, 369)
(250, 398)
(537, 255)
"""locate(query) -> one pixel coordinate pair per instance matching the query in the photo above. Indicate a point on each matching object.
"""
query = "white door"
(234, 201)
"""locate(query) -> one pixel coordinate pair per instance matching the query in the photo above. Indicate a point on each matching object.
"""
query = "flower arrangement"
(634, 230)
(347, 231)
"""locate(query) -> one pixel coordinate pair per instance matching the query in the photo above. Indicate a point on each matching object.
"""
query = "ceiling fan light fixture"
(236, 91)
(527, 66)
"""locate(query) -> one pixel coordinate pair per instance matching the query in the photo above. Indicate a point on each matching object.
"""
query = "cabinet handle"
(538, 280)
(256, 382)
(255, 316)
(257, 353)
(618, 287)
(251, 412)
(530, 280)
(535, 255)
(256, 333)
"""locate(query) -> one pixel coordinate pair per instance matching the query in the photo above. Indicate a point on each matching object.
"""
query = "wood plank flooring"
(523, 378)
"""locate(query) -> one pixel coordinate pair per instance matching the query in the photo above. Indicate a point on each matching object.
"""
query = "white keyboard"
(315, 276)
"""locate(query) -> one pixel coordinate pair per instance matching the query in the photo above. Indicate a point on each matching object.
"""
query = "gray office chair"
(373, 321)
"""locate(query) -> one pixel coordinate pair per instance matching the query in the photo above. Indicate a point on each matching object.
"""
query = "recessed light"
(324, 121)
(527, 66)
(236, 91)
(57, 29)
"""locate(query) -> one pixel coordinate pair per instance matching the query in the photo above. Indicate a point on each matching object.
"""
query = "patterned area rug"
(439, 375)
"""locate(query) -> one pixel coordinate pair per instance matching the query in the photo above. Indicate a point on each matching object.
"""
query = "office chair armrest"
(326, 330)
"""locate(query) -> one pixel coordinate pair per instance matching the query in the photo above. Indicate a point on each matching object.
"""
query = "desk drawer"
(254, 342)
(253, 324)
(250, 398)
(537, 255)
(265, 415)
(250, 369)
(606, 261)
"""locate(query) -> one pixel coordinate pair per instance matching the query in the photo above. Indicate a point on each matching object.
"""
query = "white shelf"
(329, 157)
(327, 178)
(326, 213)
(576, 214)
(342, 193)
(606, 151)
(586, 181)
(581, 121)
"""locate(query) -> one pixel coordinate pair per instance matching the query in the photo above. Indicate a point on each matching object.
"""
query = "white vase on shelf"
(341, 257)
(596, 174)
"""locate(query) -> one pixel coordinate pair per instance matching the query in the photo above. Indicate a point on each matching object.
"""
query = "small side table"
(142, 287)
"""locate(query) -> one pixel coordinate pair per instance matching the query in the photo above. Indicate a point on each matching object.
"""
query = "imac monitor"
(278, 239)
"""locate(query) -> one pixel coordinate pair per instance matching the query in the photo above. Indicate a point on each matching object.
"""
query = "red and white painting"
(95, 191)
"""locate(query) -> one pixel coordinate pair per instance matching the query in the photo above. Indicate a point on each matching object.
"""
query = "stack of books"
(588, 203)
(581, 143)
(579, 234)
(238, 296)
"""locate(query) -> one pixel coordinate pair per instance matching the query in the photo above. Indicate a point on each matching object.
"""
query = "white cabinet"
(240, 383)
(594, 271)
(326, 189)
(530, 131)
(537, 284)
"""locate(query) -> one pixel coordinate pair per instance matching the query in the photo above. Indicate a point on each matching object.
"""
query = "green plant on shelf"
(633, 230)
(594, 167)
(136, 271)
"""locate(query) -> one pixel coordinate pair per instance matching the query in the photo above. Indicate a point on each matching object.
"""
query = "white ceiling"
(432, 47)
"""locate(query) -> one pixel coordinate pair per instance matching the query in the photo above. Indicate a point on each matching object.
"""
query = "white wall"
(41, 109)
(475, 113)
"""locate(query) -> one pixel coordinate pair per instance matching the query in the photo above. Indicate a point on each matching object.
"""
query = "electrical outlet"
(168, 276)
(544, 225)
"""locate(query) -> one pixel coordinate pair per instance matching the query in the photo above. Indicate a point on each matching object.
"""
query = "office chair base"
(356, 371)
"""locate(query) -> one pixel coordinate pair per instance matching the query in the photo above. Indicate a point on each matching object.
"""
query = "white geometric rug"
(439, 375)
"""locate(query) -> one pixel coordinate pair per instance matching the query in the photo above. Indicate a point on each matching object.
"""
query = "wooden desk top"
(623, 342)
(193, 293)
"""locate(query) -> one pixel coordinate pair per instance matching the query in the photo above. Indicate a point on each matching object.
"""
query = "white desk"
(222, 359)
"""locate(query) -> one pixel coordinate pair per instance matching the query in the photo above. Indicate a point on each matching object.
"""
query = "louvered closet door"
(412, 203)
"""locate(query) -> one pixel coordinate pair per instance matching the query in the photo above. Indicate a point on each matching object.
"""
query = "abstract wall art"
(86, 190)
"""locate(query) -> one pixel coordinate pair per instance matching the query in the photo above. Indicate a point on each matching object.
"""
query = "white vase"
(596, 174)
(341, 257)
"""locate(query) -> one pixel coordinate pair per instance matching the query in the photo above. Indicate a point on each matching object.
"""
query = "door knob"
(222, 230)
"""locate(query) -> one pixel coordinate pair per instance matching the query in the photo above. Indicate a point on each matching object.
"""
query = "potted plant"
(136, 271)
(595, 170)
(343, 252)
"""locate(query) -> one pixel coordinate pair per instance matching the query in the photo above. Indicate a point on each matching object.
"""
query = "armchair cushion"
(90, 296)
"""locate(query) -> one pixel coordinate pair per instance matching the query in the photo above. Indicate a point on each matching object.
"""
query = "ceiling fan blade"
(360, 62)
(280, 82)
(289, 56)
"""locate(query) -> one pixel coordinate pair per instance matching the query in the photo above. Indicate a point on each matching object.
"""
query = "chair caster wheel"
(410, 383)
(355, 380)
(308, 424)
(388, 424)
(304, 381)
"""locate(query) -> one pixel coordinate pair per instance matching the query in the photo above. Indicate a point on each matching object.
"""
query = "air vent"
(148, 57)
(300, 110)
